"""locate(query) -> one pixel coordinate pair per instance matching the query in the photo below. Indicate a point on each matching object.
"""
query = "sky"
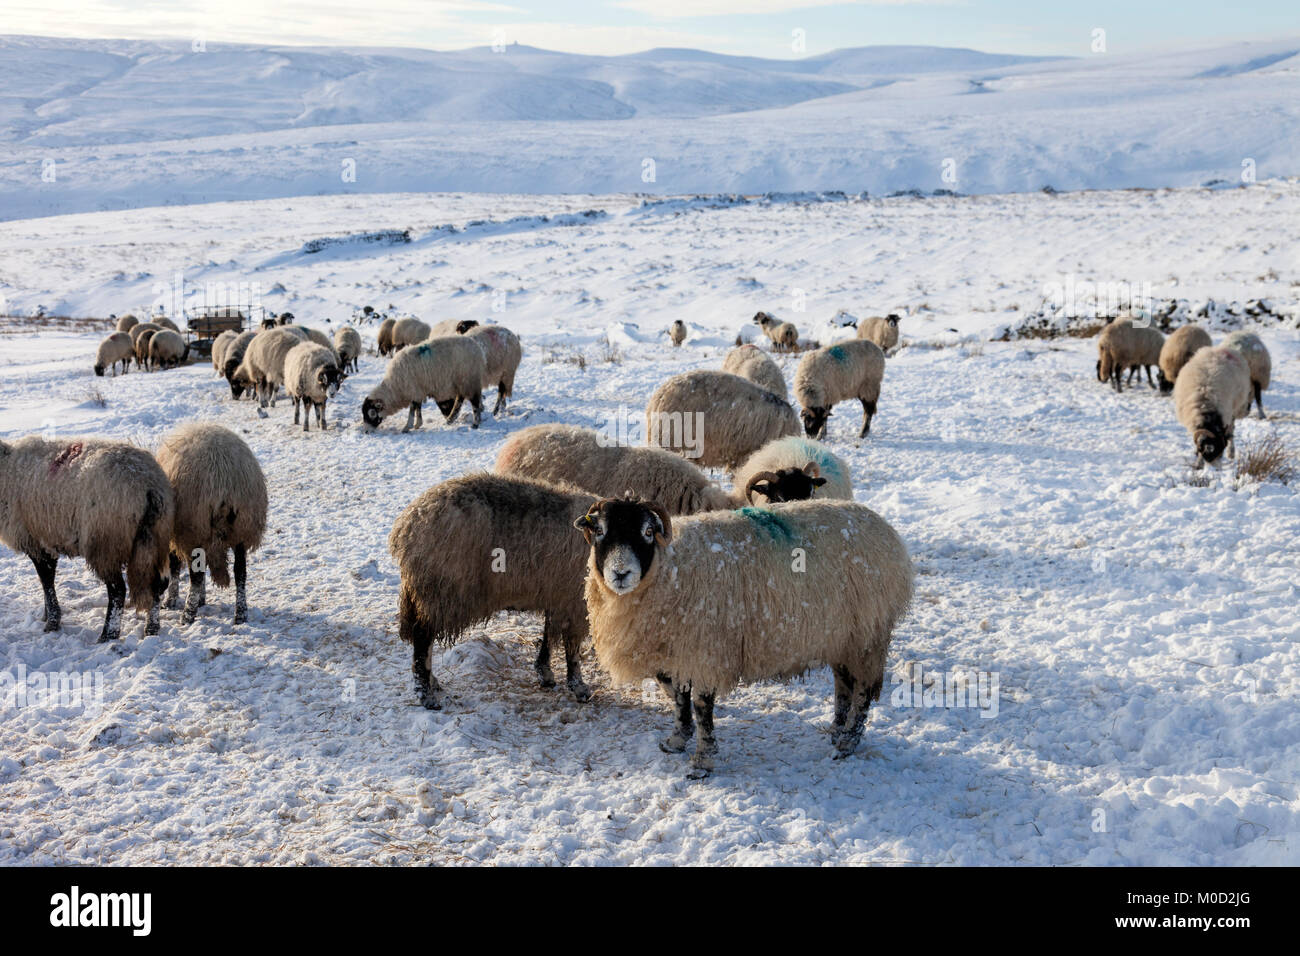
(747, 27)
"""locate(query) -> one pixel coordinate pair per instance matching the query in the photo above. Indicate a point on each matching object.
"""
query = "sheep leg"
(173, 585)
(573, 665)
(151, 623)
(863, 695)
(868, 410)
(705, 745)
(454, 414)
(427, 687)
(683, 724)
(241, 581)
(112, 630)
(843, 700)
(545, 676)
(1259, 399)
(1150, 381)
(476, 401)
(295, 411)
(196, 598)
(410, 417)
(501, 399)
(46, 565)
(320, 416)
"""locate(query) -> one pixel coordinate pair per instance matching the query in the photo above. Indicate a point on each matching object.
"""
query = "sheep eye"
(648, 531)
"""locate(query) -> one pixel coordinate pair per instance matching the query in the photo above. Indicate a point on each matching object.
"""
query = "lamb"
(347, 344)
(219, 346)
(127, 322)
(751, 362)
(116, 348)
(783, 335)
(852, 369)
(311, 375)
(221, 501)
(476, 545)
(142, 345)
(581, 457)
(1252, 348)
(884, 332)
(716, 418)
(105, 501)
(167, 349)
(1211, 392)
(708, 601)
(1123, 345)
(384, 340)
(1177, 350)
(501, 356)
(263, 365)
(408, 332)
(792, 469)
(677, 333)
(231, 360)
(448, 370)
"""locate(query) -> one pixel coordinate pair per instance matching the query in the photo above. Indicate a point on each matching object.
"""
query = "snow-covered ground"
(116, 124)
(1142, 629)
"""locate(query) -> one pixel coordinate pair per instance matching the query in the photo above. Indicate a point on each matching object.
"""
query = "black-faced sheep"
(105, 501)
(114, 349)
(451, 327)
(221, 503)
(1213, 390)
(826, 376)
(262, 368)
(882, 331)
(706, 602)
(384, 337)
(219, 346)
(716, 418)
(1179, 347)
(1252, 348)
(347, 343)
(166, 323)
(783, 335)
(480, 544)
(677, 333)
(408, 332)
(448, 370)
(167, 349)
(501, 356)
(751, 362)
(142, 341)
(231, 361)
(311, 376)
(1123, 345)
(127, 322)
(791, 469)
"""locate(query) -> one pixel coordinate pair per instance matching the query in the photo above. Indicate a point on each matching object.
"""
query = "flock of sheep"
(1212, 386)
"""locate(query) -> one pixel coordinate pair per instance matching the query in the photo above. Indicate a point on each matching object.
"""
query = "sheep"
(221, 502)
(884, 332)
(408, 332)
(231, 360)
(783, 335)
(451, 327)
(106, 501)
(708, 601)
(263, 365)
(716, 418)
(1174, 354)
(1252, 348)
(447, 369)
(136, 331)
(1150, 342)
(677, 333)
(142, 345)
(268, 323)
(501, 356)
(1211, 392)
(284, 318)
(792, 469)
(127, 322)
(311, 375)
(1123, 345)
(347, 344)
(583, 458)
(479, 544)
(852, 369)
(165, 322)
(384, 338)
(167, 349)
(219, 346)
(751, 362)
(116, 348)
(317, 336)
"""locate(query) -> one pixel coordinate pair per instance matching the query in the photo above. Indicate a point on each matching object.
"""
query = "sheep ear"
(818, 482)
(811, 469)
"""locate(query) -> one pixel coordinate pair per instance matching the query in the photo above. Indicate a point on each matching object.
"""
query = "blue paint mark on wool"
(773, 525)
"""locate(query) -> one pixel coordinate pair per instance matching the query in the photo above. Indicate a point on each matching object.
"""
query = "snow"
(127, 124)
(1140, 629)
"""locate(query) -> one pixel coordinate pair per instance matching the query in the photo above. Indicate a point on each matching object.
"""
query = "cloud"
(683, 9)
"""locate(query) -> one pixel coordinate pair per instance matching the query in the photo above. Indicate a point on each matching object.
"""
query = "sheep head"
(814, 420)
(623, 534)
(465, 325)
(787, 484)
(328, 377)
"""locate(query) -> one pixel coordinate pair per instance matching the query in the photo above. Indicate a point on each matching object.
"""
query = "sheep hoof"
(430, 700)
(580, 691)
(698, 772)
(261, 413)
(187, 617)
(54, 625)
(545, 678)
(674, 744)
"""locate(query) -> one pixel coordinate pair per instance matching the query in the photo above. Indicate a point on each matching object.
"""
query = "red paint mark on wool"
(67, 455)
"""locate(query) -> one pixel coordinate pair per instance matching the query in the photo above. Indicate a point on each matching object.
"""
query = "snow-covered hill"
(89, 125)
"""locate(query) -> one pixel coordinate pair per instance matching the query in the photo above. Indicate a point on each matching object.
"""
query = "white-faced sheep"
(1213, 390)
(826, 376)
(705, 602)
(716, 418)
(347, 343)
(311, 376)
(221, 501)
(1179, 347)
(167, 349)
(231, 360)
(447, 369)
(262, 368)
(219, 346)
(1252, 348)
(751, 362)
(783, 335)
(480, 544)
(105, 501)
(501, 356)
(384, 337)
(791, 469)
(116, 348)
(408, 331)
(583, 458)
(882, 331)
(677, 333)
(127, 322)
(1124, 345)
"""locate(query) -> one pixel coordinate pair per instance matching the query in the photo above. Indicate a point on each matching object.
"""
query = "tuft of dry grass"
(1267, 459)
(95, 396)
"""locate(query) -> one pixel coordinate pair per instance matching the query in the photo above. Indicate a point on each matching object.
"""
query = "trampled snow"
(1140, 629)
